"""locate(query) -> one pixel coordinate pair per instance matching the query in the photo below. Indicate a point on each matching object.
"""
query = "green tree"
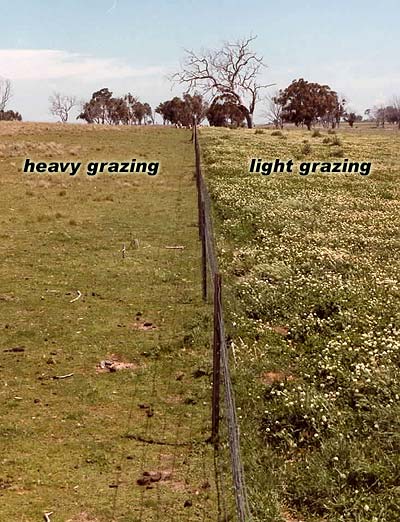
(306, 103)
(225, 112)
(184, 111)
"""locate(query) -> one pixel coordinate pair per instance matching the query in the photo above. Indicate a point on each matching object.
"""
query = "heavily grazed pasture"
(86, 379)
(311, 288)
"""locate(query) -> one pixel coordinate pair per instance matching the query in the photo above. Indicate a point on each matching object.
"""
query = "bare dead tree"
(5, 93)
(379, 113)
(61, 105)
(273, 113)
(396, 105)
(232, 71)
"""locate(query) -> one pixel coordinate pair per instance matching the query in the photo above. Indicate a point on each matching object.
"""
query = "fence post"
(216, 360)
(203, 231)
(198, 176)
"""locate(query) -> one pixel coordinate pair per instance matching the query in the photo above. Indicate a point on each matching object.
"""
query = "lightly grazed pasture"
(311, 270)
(131, 341)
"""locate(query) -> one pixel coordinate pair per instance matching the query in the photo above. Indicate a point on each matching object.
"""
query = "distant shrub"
(276, 133)
(333, 141)
(10, 116)
(316, 134)
(336, 142)
(306, 149)
(338, 152)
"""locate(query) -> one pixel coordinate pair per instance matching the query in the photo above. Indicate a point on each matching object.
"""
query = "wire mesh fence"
(225, 433)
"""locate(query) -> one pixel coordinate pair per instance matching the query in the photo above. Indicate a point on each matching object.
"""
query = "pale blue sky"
(48, 45)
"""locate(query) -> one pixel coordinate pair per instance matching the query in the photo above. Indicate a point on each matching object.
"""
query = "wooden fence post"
(203, 250)
(216, 361)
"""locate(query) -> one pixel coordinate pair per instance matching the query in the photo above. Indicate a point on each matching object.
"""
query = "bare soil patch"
(272, 377)
(114, 363)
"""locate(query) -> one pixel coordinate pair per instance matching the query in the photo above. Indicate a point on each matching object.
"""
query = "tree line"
(223, 86)
(104, 108)
(387, 113)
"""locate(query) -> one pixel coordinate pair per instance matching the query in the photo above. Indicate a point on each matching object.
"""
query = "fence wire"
(230, 417)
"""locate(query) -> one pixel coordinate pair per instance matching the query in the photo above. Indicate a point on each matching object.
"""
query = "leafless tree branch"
(61, 105)
(5, 93)
(231, 71)
(274, 110)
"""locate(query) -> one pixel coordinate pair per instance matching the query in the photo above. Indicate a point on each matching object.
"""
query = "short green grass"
(311, 268)
(71, 445)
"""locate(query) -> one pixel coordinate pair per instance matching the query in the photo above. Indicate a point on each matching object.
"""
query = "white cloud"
(36, 73)
(41, 64)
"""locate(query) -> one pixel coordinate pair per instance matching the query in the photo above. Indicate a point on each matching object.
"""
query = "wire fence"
(221, 366)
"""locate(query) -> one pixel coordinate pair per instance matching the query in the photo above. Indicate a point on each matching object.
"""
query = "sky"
(77, 47)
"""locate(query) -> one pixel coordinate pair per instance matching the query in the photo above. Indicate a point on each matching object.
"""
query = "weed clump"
(337, 152)
(306, 149)
(336, 141)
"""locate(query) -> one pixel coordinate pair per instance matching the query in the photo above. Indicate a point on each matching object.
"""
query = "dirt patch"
(163, 478)
(288, 517)
(281, 330)
(272, 377)
(143, 326)
(114, 363)
(173, 399)
(6, 297)
(149, 477)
